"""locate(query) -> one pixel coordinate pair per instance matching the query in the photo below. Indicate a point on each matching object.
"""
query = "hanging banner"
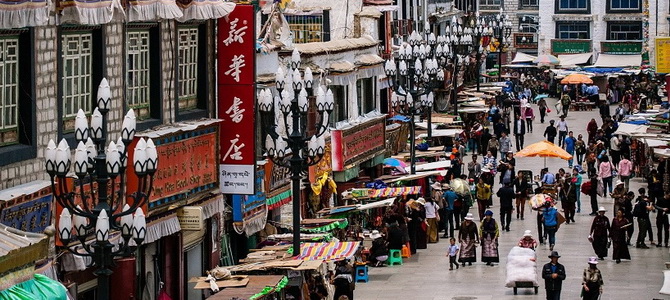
(237, 100)
(27, 207)
(358, 143)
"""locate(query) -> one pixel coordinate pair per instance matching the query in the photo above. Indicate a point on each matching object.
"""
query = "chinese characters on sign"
(570, 46)
(237, 92)
(662, 54)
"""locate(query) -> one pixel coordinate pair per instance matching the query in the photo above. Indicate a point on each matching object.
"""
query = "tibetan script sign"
(620, 47)
(663, 54)
(570, 46)
(237, 100)
(357, 143)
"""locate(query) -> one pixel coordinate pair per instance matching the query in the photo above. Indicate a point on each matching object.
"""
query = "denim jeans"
(578, 190)
(607, 184)
(561, 137)
(551, 233)
(449, 223)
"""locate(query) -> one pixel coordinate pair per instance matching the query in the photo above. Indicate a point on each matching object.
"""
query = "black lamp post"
(418, 72)
(95, 163)
(481, 39)
(502, 28)
(458, 47)
(290, 133)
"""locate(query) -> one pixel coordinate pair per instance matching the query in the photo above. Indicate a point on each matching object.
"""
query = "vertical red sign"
(236, 43)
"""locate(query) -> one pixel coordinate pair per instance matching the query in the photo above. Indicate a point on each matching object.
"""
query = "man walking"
(553, 274)
(569, 146)
(562, 127)
(519, 132)
(550, 132)
(641, 212)
(506, 195)
(505, 145)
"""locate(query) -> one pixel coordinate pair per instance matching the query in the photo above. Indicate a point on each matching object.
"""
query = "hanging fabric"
(24, 13)
(90, 12)
(204, 9)
(153, 10)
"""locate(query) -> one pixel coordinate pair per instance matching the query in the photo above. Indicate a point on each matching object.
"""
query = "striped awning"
(327, 251)
(395, 192)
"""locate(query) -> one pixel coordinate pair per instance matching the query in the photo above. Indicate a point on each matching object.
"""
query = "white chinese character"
(234, 111)
(235, 149)
(236, 66)
(235, 34)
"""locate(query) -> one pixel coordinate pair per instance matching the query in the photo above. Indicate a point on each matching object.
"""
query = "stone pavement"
(426, 275)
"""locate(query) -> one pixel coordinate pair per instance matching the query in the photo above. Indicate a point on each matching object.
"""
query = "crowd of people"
(602, 165)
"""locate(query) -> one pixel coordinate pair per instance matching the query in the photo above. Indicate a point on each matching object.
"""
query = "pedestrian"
(641, 212)
(592, 281)
(519, 131)
(600, 233)
(565, 105)
(506, 195)
(474, 168)
(553, 274)
(489, 162)
(415, 219)
(615, 149)
(628, 214)
(606, 173)
(625, 168)
(483, 193)
(468, 236)
(529, 116)
(550, 132)
(548, 178)
(618, 195)
(662, 206)
(506, 168)
(577, 178)
(493, 146)
(505, 145)
(484, 141)
(489, 233)
(591, 129)
(541, 233)
(562, 127)
(527, 241)
(432, 218)
(568, 203)
(343, 280)
(550, 221)
(450, 200)
(569, 146)
(521, 187)
(379, 251)
(580, 149)
(453, 253)
(618, 236)
(542, 107)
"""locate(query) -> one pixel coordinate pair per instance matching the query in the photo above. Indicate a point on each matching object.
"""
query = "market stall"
(259, 287)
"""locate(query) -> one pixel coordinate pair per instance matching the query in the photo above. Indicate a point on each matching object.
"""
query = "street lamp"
(418, 71)
(93, 162)
(290, 133)
(481, 39)
(502, 29)
(457, 44)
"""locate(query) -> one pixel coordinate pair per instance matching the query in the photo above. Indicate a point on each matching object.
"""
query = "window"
(365, 89)
(490, 4)
(80, 72)
(573, 6)
(618, 6)
(192, 70)
(17, 101)
(143, 73)
(624, 31)
(529, 24)
(573, 30)
(310, 28)
(529, 4)
(340, 110)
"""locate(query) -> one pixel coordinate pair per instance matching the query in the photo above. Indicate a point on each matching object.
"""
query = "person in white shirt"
(432, 218)
(562, 127)
(615, 150)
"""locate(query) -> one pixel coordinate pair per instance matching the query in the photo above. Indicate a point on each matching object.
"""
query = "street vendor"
(527, 241)
(379, 251)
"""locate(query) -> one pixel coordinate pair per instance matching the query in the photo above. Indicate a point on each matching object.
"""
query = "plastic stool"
(395, 258)
(362, 273)
(406, 253)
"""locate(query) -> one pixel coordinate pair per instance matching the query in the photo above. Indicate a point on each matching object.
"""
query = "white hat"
(527, 233)
(602, 208)
(618, 182)
(421, 201)
(436, 186)
(593, 260)
(469, 217)
(375, 234)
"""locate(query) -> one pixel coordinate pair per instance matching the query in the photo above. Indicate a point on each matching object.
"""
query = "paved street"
(426, 275)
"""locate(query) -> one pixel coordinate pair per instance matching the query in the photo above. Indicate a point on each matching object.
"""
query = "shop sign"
(357, 143)
(237, 92)
(570, 46)
(530, 42)
(190, 218)
(29, 212)
(246, 206)
(662, 54)
(276, 176)
(186, 164)
(621, 47)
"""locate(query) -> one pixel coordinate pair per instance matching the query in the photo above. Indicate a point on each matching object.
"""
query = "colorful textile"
(327, 251)
(337, 224)
(395, 192)
(279, 200)
(204, 9)
(153, 10)
(91, 12)
(323, 181)
(271, 289)
(23, 13)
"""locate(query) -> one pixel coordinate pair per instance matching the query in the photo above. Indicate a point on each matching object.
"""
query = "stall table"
(256, 284)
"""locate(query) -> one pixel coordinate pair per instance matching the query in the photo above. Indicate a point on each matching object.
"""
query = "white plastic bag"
(521, 266)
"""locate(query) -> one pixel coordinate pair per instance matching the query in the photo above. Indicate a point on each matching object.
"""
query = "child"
(453, 253)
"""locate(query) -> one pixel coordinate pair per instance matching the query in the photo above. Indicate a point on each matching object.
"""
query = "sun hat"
(421, 201)
(602, 208)
(436, 186)
(593, 260)
(554, 254)
(469, 217)
(375, 234)
(446, 186)
(618, 182)
(488, 213)
(525, 233)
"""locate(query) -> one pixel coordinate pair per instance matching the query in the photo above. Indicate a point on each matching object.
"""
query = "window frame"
(522, 5)
(341, 107)
(98, 67)
(559, 10)
(610, 9)
(155, 66)
(489, 4)
(26, 148)
(365, 91)
(611, 23)
(558, 31)
(202, 104)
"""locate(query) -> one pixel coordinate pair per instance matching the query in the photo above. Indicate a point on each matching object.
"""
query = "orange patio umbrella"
(544, 149)
(576, 79)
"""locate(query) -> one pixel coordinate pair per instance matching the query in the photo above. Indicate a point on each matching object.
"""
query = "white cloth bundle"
(521, 266)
